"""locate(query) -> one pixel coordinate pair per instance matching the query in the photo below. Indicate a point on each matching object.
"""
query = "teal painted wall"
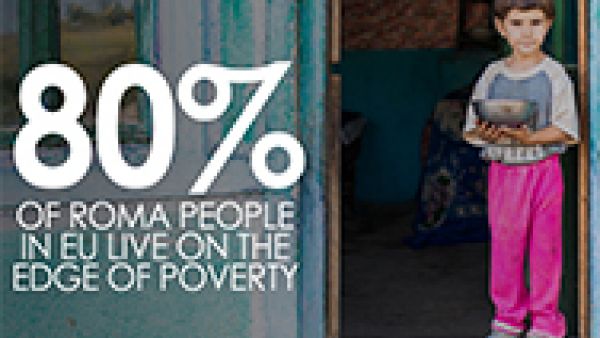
(396, 90)
(595, 166)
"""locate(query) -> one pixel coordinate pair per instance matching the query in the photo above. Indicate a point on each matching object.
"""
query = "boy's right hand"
(487, 132)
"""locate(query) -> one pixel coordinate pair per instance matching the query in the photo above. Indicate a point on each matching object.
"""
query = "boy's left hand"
(522, 135)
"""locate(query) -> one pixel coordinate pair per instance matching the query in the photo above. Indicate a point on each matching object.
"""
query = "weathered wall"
(393, 24)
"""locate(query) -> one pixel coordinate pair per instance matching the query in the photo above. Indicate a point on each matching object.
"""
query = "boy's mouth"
(527, 45)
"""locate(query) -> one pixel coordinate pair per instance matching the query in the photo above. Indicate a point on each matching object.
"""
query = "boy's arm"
(564, 110)
(484, 133)
(472, 137)
(470, 129)
(551, 134)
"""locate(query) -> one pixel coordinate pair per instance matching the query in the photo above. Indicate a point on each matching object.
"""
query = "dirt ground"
(391, 290)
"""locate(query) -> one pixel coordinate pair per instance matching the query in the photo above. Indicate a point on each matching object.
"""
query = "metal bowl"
(509, 113)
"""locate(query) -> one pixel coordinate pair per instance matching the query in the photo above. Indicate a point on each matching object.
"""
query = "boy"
(525, 182)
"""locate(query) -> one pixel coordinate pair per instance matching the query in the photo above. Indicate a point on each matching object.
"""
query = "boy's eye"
(516, 22)
(536, 22)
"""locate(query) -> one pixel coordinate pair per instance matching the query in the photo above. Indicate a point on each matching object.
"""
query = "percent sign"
(63, 122)
(269, 76)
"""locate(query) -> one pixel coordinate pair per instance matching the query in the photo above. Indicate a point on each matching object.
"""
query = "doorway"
(378, 285)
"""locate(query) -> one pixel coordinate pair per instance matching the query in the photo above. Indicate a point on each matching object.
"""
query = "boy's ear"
(550, 22)
(499, 23)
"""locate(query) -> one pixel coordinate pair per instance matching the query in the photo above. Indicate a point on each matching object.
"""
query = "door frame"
(583, 296)
(333, 171)
(333, 165)
(592, 33)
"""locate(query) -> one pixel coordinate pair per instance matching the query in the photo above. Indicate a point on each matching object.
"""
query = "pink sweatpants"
(525, 215)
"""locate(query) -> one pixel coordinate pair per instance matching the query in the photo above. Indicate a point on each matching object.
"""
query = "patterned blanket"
(452, 197)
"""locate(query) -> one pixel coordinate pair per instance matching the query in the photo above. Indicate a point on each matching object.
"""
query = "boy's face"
(525, 30)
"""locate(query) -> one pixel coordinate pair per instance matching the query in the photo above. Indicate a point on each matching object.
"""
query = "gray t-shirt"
(549, 86)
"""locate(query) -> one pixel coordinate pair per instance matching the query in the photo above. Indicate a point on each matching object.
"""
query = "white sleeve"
(479, 93)
(564, 111)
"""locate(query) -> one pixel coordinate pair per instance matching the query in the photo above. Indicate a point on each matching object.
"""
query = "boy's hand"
(521, 135)
(487, 132)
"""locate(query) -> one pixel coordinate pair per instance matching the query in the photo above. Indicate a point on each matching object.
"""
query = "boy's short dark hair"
(502, 7)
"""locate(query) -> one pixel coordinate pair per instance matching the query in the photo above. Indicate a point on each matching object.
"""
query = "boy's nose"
(527, 30)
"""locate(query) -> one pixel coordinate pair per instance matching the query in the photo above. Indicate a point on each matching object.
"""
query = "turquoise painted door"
(172, 37)
(252, 33)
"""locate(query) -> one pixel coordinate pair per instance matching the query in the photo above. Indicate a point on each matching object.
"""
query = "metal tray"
(509, 113)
